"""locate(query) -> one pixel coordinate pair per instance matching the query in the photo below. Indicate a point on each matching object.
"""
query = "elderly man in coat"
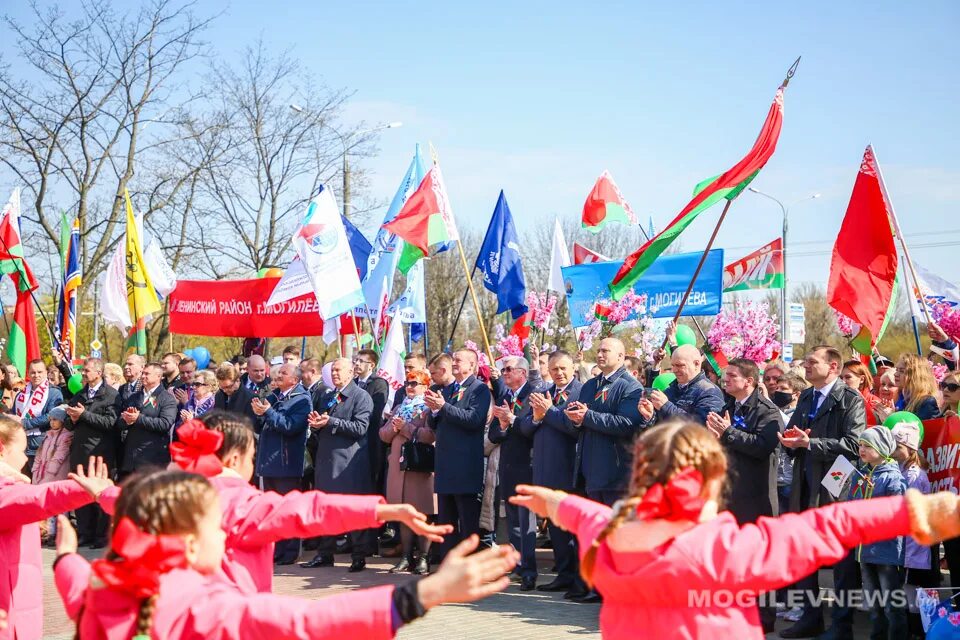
(690, 397)
(342, 463)
(282, 425)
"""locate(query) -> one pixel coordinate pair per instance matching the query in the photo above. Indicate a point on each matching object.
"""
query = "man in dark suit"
(459, 413)
(748, 431)
(92, 414)
(554, 452)
(256, 379)
(515, 468)
(827, 423)
(148, 418)
(231, 395)
(341, 462)
(282, 425)
(311, 378)
(132, 373)
(364, 368)
(170, 362)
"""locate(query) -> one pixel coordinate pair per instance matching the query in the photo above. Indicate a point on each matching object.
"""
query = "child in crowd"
(708, 570)
(881, 562)
(255, 520)
(161, 578)
(919, 561)
(51, 463)
(22, 506)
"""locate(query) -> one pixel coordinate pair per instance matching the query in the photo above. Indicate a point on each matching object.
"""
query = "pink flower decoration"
(948, 318)
(541, 307)
(940, 371)
(846, 325)
(748, 331)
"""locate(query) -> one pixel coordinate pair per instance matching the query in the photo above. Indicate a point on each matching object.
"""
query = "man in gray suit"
(341, 462)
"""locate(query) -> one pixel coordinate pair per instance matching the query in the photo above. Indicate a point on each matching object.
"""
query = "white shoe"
(793, 615)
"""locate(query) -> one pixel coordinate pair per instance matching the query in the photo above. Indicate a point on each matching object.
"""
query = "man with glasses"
(364, 371)
(183, 390)
(827, 423)
(515, 465)
(231, 395)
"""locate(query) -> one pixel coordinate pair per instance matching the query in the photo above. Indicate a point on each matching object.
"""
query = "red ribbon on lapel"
(679, 499)
(196, 450)
(143, 559)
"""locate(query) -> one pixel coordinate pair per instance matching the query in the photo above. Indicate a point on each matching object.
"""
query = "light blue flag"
(382, 263)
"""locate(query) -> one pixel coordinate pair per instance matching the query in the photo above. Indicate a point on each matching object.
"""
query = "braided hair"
(659, 454)
(236, 429)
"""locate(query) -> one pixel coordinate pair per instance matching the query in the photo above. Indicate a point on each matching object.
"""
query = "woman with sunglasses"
(410, 421)
(950, 389)
(202, 399)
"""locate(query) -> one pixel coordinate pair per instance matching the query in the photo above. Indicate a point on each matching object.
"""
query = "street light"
(346, 151)
(783, 240)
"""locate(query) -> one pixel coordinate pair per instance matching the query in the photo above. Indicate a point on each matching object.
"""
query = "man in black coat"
(92, 414)
(311, 378)
(170, 362)
(364, 368)
(132, 373)
(341, 461)
(748, 431)
(827, 423)
(554, 453)
(511, 406)
(459, 413)
(231, 395)
(148, 418)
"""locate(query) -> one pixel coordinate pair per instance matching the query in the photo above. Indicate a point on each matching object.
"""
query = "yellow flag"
(141, 296)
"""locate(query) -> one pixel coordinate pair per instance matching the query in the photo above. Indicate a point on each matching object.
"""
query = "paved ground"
(511, 614)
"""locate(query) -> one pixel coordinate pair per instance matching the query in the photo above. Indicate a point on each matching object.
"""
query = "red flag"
(521, 327)
(582, 255)
(863, 270)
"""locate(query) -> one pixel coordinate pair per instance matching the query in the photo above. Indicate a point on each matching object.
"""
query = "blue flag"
(499, 261)
(359, 246)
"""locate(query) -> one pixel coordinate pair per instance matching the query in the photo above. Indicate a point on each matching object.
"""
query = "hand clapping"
(717, 424)
(433, 399)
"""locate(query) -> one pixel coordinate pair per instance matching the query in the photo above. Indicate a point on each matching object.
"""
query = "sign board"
(96, 345)
(94, 353)
(796, 325)
(788, 352)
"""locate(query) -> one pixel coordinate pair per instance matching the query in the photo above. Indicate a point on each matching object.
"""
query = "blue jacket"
(515, 446)
(459, 426)
(928, 409)
(693, 402)
(554, 440)
(604, 449)
(283, 434)
(341, 463)
(883, 480)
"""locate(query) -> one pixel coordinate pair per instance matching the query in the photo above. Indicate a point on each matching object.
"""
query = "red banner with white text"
(238, 308)
(941, 448)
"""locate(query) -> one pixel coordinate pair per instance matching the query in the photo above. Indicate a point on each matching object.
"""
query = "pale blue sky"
(537, 98)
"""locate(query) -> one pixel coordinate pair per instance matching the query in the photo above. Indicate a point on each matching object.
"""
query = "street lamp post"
(783, 241)
(344, 140)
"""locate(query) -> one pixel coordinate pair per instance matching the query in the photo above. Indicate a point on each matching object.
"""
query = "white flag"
(293, 284)
(113, 301)
(559, 257)
(161, 274)
(331, 332)
(838, 475)
(409, 307)
(391, 358)
(321, 242)
(934, 289)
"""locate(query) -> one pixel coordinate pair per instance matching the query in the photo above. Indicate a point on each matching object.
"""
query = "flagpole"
(696, 273)
(356, 330)
(476, 302)
(36, 303)
(463, 302)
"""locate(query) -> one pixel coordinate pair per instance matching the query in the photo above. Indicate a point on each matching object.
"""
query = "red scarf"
(143, 559)
(196, 449)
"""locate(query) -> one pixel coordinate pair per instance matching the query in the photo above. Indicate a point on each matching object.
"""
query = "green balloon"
(685, 335)
(662, 381)
(903, 416)
(262, 272)
(75, 383)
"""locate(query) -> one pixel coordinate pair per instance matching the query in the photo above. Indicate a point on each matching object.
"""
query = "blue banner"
(663, 283)
(499, 262)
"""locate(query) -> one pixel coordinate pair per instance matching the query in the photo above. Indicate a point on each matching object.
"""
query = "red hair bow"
(196, 450)
(144, 558)
(679, 499)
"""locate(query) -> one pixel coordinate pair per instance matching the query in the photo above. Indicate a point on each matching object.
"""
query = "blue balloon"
(188, 353)
(202, 356)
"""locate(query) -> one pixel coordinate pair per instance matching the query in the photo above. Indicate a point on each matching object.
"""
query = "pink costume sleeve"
(21, 504)
(72, 577)
(363, 614)
(270, 517)
(108, 499)
(584, 519)
(775, 552)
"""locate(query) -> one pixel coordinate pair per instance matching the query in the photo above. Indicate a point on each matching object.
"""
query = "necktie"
(362, 384)
(815, 405)
(91, 393)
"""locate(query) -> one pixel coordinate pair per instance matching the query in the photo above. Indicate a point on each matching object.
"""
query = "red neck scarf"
(143, 559)
(679, 499)
(196, 449)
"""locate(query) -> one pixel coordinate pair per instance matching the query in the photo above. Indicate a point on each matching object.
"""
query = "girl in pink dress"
(670, 565)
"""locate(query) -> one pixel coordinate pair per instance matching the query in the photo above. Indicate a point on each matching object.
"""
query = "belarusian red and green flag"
(425, 220)
(716, 358)
(726, 186)
(762, 269)
(606, 204)
(23, 344)
(863, 270)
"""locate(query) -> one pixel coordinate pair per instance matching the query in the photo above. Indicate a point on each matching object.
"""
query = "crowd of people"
(303, 455)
